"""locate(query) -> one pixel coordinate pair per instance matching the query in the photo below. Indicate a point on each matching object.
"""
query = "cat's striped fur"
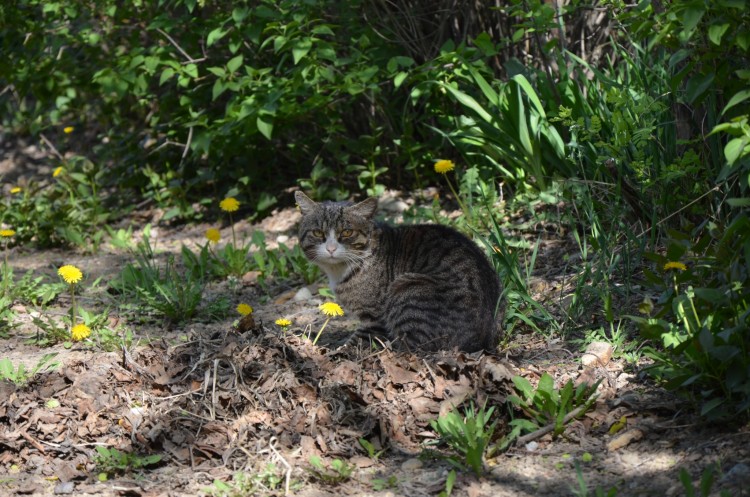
(424, 287)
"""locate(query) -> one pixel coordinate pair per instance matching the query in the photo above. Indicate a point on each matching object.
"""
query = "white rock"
(302, 294)
(597, 354)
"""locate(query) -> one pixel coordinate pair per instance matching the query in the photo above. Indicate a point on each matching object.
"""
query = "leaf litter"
(216, 400)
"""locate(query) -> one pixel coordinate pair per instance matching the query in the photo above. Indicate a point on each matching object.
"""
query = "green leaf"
(697, 86)
(711, 405)
(692, 17)
(484, 43)
(737, 98)
(736, 149)
(524, 386)
(234, 63)
(301, 48)
(716, 31)
(546, 384)
(191, 70)
(217, 89)
(215, 35)
(219, 72)
(734, 202)
(264, 126)
(530, 92)
(468, 102)
(399, 79)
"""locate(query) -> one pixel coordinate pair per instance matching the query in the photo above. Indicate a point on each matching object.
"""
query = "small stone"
(362, 461)
(597, 354)
(303, 294)
(250, 277)
(531, 446)
(64, 488)
(411, 465)
(282, 239)
(739, 472)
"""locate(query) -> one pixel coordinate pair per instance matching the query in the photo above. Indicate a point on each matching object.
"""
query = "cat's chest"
(363, 289)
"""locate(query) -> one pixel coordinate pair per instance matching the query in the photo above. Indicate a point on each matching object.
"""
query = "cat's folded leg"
(367, 332)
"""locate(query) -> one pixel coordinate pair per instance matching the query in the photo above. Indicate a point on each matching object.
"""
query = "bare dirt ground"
(216, 400)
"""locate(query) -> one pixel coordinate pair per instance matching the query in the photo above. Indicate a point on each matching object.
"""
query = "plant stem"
(320, 331)
(458, 199)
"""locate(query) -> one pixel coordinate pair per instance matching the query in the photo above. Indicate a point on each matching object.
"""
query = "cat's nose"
(331, 249)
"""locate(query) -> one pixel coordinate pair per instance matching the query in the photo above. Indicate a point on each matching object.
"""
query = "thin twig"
(52, 147)
(187, 145)
(546, 429)
(176, 45)
(714, 189)
(284, 461)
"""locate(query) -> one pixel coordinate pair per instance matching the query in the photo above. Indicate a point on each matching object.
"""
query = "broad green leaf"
(735, 202)
(234, 63)
(691, 17)
(166, 74)
(530, 92)
(468, 101)
(215, 35)
(735, 149)
(399, 79)
(716, 31)
(191, 70)
(697, 86)
(546, 384)
(711, 405)
(737, 98)
(217, 89)
(264, 126)
(301, 48)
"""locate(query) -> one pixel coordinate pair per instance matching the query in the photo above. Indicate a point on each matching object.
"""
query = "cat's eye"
(318, 234)
(346, 233)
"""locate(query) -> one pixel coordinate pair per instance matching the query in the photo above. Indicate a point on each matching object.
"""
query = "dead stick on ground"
(546, 429)
(53, 149)
(284, 461)
(33, 442)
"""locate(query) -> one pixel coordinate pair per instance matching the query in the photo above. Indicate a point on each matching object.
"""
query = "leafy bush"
(701, 320)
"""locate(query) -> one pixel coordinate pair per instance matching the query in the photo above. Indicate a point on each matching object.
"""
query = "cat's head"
(336, 233)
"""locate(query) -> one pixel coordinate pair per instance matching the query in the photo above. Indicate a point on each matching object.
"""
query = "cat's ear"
(366, 208)
(306, 204)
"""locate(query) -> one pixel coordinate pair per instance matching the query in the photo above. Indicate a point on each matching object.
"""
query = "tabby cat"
(423, 287)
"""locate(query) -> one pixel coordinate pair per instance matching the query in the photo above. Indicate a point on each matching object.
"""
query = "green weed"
(164, 289)
(469, 435)
(19, 375)
(380, 484)
(337, 472)
(111, 462)
(547, 405)
(701, 322)
(372, 453)
(243, 483)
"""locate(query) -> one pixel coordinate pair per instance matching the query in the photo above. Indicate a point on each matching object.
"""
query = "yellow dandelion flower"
(15, 189)
(79, 332)
(331, 309)
(283, 322)
(213, 235)
(70, 274)
(7, 233)
(244, 309)
(444, 166)
(68, 130)
(57, 172)
(229, 204)
(674, 265)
